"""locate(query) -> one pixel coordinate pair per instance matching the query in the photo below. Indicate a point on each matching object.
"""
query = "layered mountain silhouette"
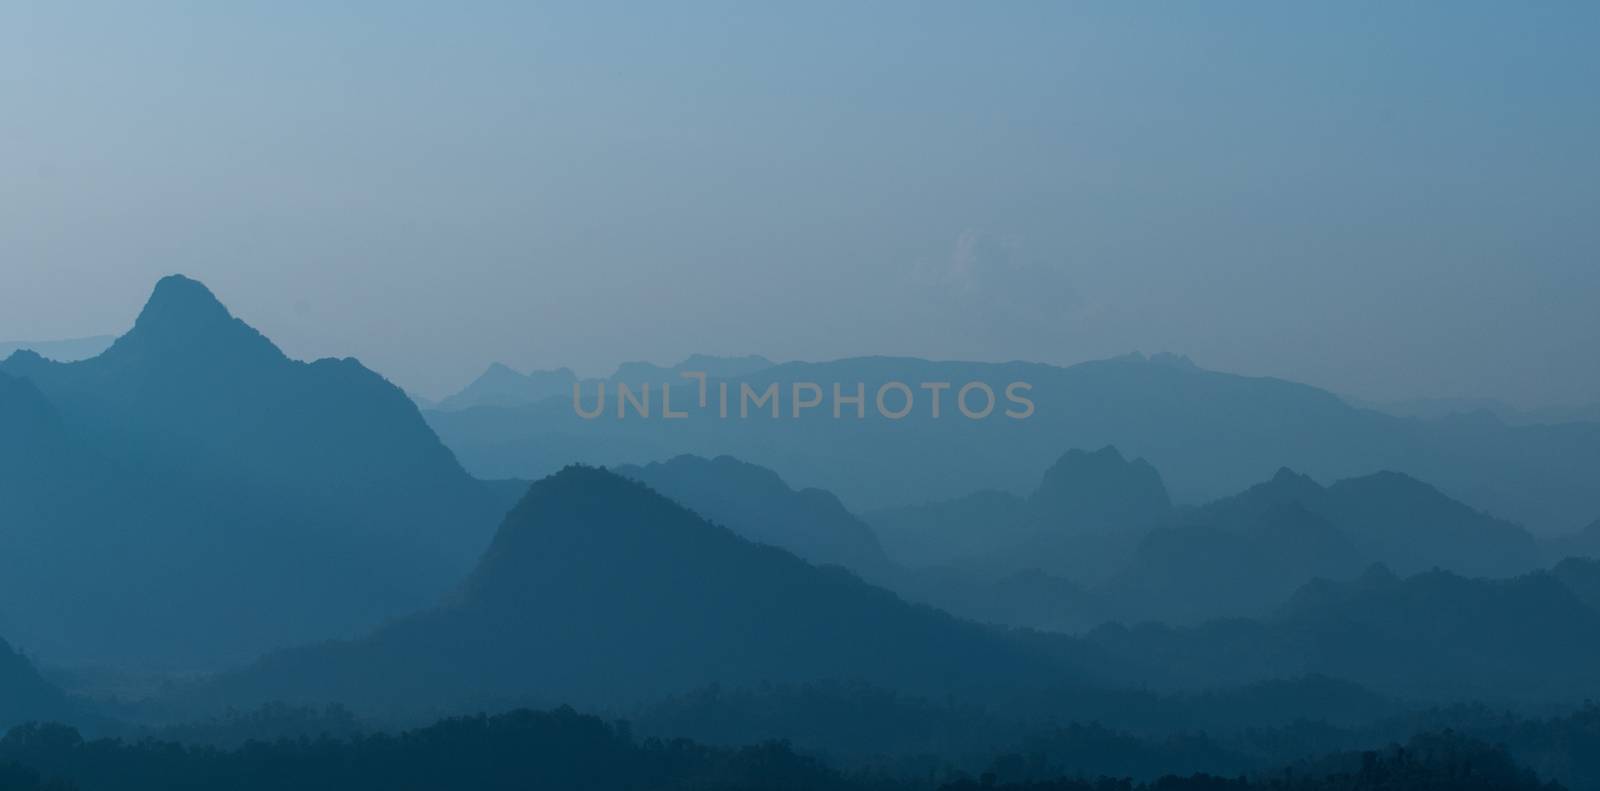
(1583, 543)
(1582, 577)
(1211, 434)
(1238, 555)
(191, 495)
(1434, 635)
(501, 386)
(1081, 522)
(65, 350)
(1106, 523)
(598, 589)
(25, 696)
(714, 367)
(755, 503)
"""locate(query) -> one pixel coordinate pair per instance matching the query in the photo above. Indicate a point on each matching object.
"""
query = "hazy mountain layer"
(1210, 434)
(755, 503)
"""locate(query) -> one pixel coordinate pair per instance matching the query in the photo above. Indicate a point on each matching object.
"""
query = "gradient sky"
(1388, 199)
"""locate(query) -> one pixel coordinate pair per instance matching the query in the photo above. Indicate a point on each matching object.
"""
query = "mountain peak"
(183, 315)
(1099, 490)
(180, 298)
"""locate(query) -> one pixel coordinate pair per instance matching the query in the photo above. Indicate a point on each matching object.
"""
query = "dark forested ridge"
(564, 749)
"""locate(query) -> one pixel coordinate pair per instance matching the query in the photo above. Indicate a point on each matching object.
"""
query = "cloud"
(1006, 291)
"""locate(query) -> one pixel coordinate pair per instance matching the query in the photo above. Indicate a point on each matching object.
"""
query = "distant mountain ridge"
(1211, 434)
(1106, 524)
(500, 386)
(65, 350)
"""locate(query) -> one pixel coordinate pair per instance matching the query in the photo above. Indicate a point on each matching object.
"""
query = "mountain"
(1393, 519)
(501, 386)
(1582, 577)
(636, 373)
(1208, 567)
(1434, 635)
(1211, 434)
(943, 533)
(1107, 524)
(1100, 491)
(598, 589)
(192, 473)
(755, 503)
(1237, 556)
(1081, 521)
(1584, 543)
(25, 696)
(62, 350)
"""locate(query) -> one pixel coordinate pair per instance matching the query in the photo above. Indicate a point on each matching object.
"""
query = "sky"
(1390, 200)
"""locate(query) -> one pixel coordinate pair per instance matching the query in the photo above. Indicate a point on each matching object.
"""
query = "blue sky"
(1388, 199)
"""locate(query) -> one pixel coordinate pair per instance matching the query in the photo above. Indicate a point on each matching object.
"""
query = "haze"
(1389, 200)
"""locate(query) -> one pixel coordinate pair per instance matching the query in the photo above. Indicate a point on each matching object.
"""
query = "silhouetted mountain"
(192, 473)
(1081, 522)
(637, 373)
(1392, 519)
(1411, 526)
(25, 696)
(755, 503)
(63, 350)
(1210, 434)
(1208, 567)
(1088, 513)
(1584, 543)
(952, 532)
(501, 386)
(1582, 577)
(597, 588)
(1238, 556)
(1100, 491)
(1433, 635)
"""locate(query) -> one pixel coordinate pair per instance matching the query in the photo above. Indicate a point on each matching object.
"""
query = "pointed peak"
(179, 297)
(501, 371)
(182, 315)
(1109, 452)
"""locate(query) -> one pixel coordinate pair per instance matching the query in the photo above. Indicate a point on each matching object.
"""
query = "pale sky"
(1391, 200)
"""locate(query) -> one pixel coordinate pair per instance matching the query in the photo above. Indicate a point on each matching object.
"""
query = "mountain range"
(500, 386)
(66, 350)
(1211, 434)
